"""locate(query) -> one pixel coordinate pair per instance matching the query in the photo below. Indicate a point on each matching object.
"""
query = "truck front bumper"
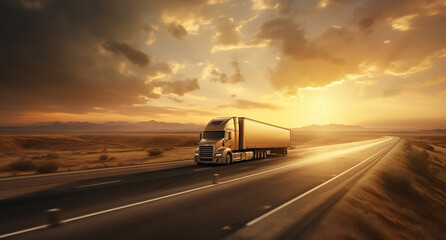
(213, 160)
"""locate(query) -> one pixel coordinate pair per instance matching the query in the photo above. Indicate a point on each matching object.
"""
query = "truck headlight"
(218, 154)
(196, 154)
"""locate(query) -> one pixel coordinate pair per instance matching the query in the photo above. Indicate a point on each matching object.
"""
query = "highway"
(274, 198)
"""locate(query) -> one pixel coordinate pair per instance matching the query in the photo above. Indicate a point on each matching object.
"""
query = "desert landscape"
(40, 153)
(45, 153)
(402, 197)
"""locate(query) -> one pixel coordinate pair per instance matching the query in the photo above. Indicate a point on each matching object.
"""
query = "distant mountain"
(147, 126)
(331, 127)
(435, 131)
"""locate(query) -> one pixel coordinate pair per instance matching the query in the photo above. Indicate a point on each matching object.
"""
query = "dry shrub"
(52, 156)
(396, 182)
(22, 165)
(48, 167)
(408, 145)
(154, 152)
(367, 224)
(112, 159)
(103, 158)
(424, 146)
(418, 162)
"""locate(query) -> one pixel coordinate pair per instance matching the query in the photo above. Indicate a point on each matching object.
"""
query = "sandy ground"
(78, 152)
(402, 197)
(69, 152)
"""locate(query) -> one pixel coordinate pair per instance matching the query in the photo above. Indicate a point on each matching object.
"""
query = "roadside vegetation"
(402, 197)
(39, 154)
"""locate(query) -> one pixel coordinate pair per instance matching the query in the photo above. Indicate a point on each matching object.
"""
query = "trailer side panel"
(258, 135)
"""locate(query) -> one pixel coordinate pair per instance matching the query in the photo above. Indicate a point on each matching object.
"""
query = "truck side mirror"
(229, 136)
(201, 135)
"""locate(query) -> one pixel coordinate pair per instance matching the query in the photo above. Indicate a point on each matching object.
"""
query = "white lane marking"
(97, 184)
(162, 197)
(23, 231)
(226, 228)
(150, 200)
(309, 191)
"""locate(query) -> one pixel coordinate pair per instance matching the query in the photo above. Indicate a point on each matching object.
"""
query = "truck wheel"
(264, 154)
(284, 152)
(228, 159)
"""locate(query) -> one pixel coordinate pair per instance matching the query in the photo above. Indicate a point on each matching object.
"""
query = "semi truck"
(231, 139)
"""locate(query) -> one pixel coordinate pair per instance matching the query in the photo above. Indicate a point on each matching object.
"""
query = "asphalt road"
(268, 198)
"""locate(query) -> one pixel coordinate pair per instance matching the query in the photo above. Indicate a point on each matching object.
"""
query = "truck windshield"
(214, 134)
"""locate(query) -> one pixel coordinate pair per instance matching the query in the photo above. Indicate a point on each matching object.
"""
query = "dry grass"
(48, 167)
(28, 154)
(402, 197)
(154, 152)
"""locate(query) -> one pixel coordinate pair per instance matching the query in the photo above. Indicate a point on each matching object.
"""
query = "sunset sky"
(375, 63)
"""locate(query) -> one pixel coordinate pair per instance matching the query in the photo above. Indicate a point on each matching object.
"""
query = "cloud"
(55, 55)
(430, 82)
(301, 62)
(247, 104)
(177, 100)
(286, 34)
(332, 3)
(177, 87)
(366, 23)
(227, 33)
(177, 30)
(158, 111)
(237, 77)
(391, 93)
(135, 56)
(367, 44)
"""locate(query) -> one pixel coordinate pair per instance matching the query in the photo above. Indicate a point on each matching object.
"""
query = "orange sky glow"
(377, 64)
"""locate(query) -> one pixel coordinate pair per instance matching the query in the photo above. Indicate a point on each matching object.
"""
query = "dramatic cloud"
(218, 76)
(177, 30)
(133, 55)
(429, 82)
(382, 37)
(247, 104)
(63, 56)
(103, 58)
(178, 87)
(285, 33)
(227, 32)
(301, 61)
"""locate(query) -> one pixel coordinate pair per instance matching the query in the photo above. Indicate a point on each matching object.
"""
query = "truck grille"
(206, 151)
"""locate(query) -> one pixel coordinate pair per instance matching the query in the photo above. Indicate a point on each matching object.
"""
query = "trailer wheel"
(228, 159)
(264, 154)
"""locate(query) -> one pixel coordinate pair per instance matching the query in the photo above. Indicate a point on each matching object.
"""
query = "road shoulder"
(402, 197)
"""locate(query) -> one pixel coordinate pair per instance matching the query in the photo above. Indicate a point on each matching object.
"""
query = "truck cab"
(218, 141)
